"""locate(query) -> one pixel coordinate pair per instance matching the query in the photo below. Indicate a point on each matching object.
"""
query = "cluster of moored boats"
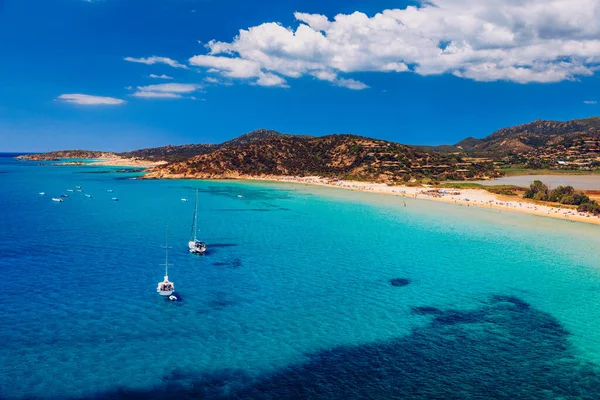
(195, 246)
(63, 196)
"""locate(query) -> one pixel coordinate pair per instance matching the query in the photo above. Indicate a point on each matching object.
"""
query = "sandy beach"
(116, 161)
(465, 197)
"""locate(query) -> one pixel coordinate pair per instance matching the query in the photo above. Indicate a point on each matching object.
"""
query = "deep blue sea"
(293, 298)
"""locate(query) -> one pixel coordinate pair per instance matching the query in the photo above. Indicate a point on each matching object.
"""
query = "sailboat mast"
(196, 216)
(194, 219)
(167, 251)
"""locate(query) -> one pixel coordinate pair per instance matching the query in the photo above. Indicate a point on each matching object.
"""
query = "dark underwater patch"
(453, 317)
(219, 304)
(426, 310)
(399, 282)
(510, 299)
(234, 264)
(515, 352)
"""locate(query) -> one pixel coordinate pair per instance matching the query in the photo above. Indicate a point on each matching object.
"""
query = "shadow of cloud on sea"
(504, 349)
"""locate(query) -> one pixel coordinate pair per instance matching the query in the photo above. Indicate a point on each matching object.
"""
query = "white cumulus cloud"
(520, 41)
(350, 84)
(156, 60)
(89, 100)
(163, 76)
(171, 88)
(269, 79)
(157, 95)
(166, 90)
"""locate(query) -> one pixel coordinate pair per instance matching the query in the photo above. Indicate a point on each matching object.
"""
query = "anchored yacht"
(196, 246)
(166, 288)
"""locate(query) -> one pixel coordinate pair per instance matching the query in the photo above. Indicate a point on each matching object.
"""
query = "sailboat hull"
(197, 247)
(165, 292)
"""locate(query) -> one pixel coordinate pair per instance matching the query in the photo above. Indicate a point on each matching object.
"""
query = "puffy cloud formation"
(89, 100)
(156, 60)
(166, 90)
(485, 40)
(163, 76)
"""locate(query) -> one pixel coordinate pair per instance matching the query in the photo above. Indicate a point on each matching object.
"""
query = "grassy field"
(525, 171)
(505, 190)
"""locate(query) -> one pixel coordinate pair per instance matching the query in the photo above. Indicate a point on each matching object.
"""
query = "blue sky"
(416, 75)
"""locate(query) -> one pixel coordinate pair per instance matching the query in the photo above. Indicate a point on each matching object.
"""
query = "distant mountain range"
(533, 136)
(539, 144)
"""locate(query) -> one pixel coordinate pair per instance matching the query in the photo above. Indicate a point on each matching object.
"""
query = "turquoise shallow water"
(293, 299)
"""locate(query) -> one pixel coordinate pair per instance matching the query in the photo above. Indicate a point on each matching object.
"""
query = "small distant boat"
(69, 190)
(42, 193)
(57, 199)
(115, 199)
(77, 187)
(79, 190)
(196, 246)
(172, 298)
(166, 288)
(184, 199)
(110, 190)
(64, 195)
(88, 196)
(240, 196)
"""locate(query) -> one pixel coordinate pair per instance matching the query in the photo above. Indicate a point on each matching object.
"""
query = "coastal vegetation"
(565, 195)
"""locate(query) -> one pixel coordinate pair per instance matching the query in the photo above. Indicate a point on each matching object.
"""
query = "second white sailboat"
(196, 246)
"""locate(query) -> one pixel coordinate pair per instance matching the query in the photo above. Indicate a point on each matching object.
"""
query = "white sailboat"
(196, 246)
(166, 288)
